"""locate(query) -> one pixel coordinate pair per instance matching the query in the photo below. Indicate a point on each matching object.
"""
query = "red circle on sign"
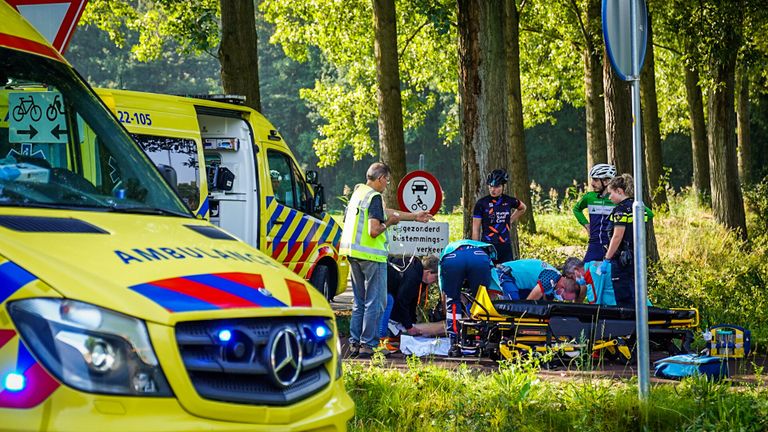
(428, 177)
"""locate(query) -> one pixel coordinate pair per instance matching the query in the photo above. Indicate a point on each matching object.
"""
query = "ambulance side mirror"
(312, 177)
(318, 203)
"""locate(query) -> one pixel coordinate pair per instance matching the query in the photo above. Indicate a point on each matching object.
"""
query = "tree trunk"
(618, 127)
(742, 120)
(483, 99)
(651, 134)
(518, 163)
(238, 52)
(593, 87)
(618, 119)
(391, 139)
(469, 98)
(699, 147)
(727, 201)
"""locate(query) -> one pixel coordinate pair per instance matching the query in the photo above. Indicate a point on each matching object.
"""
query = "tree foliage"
(344, 95)
(185, 26)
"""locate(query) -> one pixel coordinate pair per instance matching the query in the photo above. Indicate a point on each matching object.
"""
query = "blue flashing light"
(322, 331)
(225, 335)
(14, 382)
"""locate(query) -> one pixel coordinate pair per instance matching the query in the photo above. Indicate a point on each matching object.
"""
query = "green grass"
(426, 397)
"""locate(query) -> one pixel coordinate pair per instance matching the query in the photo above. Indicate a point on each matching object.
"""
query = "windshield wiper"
(31, 204)
(145, 210)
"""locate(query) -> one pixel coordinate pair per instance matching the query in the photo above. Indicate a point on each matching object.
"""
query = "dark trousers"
(595, 252)
(466, 264)
(623, 278)
(503, 253)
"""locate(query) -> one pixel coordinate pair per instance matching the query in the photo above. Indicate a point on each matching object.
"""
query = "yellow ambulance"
(121, 311)
(230, 165)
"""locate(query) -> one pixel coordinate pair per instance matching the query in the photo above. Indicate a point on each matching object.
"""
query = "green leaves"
(344, 97)
(193, 25)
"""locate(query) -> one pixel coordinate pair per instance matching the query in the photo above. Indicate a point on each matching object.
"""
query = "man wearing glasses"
(364, 241)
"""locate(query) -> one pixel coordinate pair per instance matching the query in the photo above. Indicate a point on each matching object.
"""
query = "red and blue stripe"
(39, 384)
(217, 291)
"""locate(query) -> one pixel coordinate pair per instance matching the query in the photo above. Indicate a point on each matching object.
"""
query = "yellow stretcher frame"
(482, 309)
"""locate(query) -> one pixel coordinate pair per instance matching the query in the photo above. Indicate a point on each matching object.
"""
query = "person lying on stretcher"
(532, 279)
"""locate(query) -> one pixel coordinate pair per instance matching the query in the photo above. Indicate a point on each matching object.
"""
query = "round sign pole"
(638, 211)
(625, 33)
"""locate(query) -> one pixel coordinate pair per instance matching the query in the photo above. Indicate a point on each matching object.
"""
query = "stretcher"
(506, 329)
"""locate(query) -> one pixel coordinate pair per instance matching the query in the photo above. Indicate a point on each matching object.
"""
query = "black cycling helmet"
(497, 177)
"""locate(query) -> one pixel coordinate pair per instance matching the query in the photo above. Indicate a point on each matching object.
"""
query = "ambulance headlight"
(89, 348)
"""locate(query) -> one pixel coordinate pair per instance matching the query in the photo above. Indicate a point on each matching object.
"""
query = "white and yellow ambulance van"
(121, 311)
(229, 164)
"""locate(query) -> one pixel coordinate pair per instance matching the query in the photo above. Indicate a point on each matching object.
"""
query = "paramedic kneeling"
(532, 279)
(462, 260)
(595, 285)
(406, 281)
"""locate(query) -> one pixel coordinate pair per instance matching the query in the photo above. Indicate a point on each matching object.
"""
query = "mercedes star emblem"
(285, 358)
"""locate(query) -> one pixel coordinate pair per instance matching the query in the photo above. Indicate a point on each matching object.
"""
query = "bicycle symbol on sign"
(54, 109)
(27, 106)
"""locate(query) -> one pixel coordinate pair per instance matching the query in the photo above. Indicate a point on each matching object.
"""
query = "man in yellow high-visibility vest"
(364, 241)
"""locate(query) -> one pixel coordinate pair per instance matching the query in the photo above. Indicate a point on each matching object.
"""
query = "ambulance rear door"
(230, 163)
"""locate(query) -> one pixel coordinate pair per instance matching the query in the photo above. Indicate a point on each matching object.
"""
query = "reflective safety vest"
(355, 240)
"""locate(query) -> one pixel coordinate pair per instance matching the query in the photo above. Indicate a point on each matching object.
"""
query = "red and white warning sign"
(54, 19)
(419, 191)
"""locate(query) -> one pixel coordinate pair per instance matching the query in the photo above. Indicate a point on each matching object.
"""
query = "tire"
(36, 113)
(321, 280)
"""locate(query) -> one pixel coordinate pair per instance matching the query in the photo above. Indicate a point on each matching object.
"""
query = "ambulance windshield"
(60, 147)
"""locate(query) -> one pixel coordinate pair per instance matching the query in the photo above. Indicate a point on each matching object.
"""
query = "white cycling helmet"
(602, 171)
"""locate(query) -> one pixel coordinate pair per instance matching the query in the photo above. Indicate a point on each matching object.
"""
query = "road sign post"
(625, 34)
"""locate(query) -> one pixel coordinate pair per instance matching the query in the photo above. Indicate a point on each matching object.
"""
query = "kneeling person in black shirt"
(406, 280)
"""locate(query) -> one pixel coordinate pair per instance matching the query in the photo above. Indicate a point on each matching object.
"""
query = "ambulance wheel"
(321, 280)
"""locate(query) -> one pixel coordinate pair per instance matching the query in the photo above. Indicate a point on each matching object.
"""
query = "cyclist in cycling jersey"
(599, 207)
(494, 215)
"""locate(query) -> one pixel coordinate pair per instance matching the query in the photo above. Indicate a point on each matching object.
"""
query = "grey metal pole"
(638, 212)
(421, 161)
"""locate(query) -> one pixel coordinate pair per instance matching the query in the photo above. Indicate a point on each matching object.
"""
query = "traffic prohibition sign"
(419, 191)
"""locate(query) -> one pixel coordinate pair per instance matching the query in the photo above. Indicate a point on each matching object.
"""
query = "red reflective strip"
(29, 46)
(5, 336)
(39, 386)
(247, 279)
(455, 327)
(279, 249)
(294, 250)
(303, 259)
(205, 293)
(299, 294)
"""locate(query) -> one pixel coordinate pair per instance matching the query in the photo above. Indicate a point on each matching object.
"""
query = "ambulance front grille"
(232, 360)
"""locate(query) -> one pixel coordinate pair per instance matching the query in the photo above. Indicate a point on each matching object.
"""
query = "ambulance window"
(301, 189)
(177, 156)
(281, 178)
(60, 147)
